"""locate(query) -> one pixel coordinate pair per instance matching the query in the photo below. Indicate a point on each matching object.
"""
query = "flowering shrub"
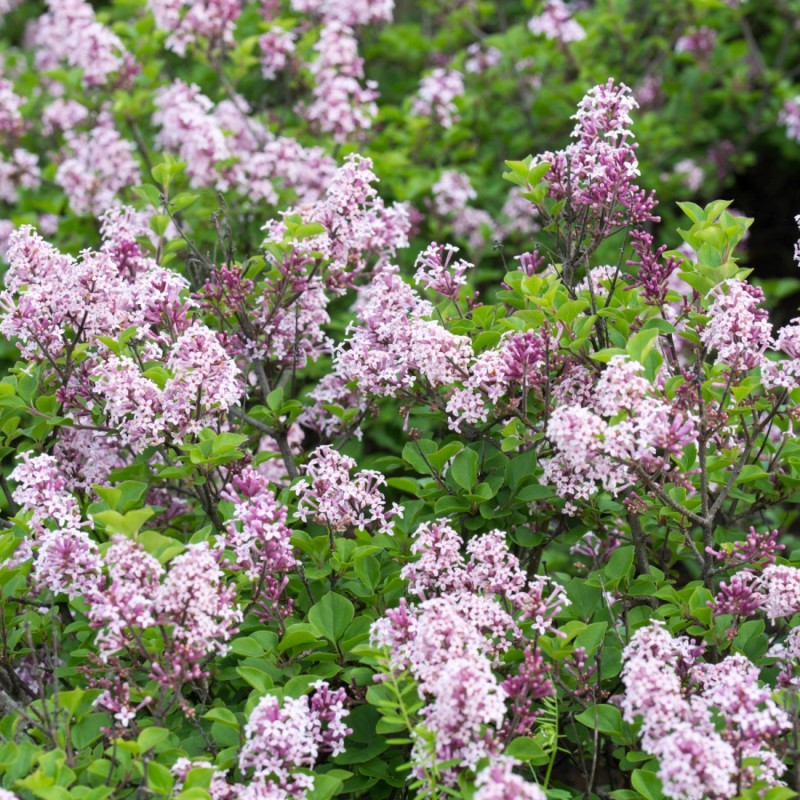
(309, 491)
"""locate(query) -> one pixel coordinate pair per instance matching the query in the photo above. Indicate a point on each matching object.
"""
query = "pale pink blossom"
(69, 32)
(452, 193)
(437, 94)
(556, 22)
(499, 782)
(738, 328)
(188, 21)
(343, 106)
(339, 501)
(11, 120)
(277, 47)
(20, 171)
(347, 12)
(95, 166)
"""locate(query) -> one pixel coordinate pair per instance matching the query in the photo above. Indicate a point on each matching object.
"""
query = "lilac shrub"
(305, 496)
(564, 418)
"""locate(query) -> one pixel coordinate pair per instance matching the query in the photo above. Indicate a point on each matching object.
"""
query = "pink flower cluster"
(790, 117)
(190, 20)
(690, 173)
(596, 173)
(280, 738)
(5, 7)
(738, 328)
(701, 720)
(452, 193)
(518, 365)
(779, 586)
(277, 46)
(69, 32)
(63, 115)
(340, 502)
(787, 653)
(208, 138)
(347, 12)
(20, 171)
(481, 59)
(86, 456)
(556, 22)
(654, 271)
(756, 550)
(259, 537)
(11, 120)
(203, 384)
(341, 105)
(95, 166)
(54, 302)
(498, 782)
(218, 788)
(785, 373)
(359, 226)
(189, 128)
(491, 570)
(453, 638)
(67, 561)
(287, 314)
(623, 424)
(518, 215)
(116, 699)
(451, 196)
(698, 42)
(767, 588)
(394, 347)
(437, 270)
(437, 95)
(189, 603)
(56, 294)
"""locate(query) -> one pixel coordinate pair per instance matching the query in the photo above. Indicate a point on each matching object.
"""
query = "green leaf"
(325, 787)
(331, 616)
(607, 353)
(464, 469)
(307, 230)
(194, 793)
(257, 678)
(127, 524)
(589, 638)
(444, 454)
(620, 563)
(275, 399)
(533, 492)
(222, 715)
(247, 646)
(525, 748)
(89, 729)
(647, 784)
(569, 310)
(368, 570)
(150, 738)
(640, 344)
(159, 224)
(298, 634)
(692, 210)
(535, 174)
(606, 718)
(519, 172)
(149, 193)
(183, 200)
(159, 779)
